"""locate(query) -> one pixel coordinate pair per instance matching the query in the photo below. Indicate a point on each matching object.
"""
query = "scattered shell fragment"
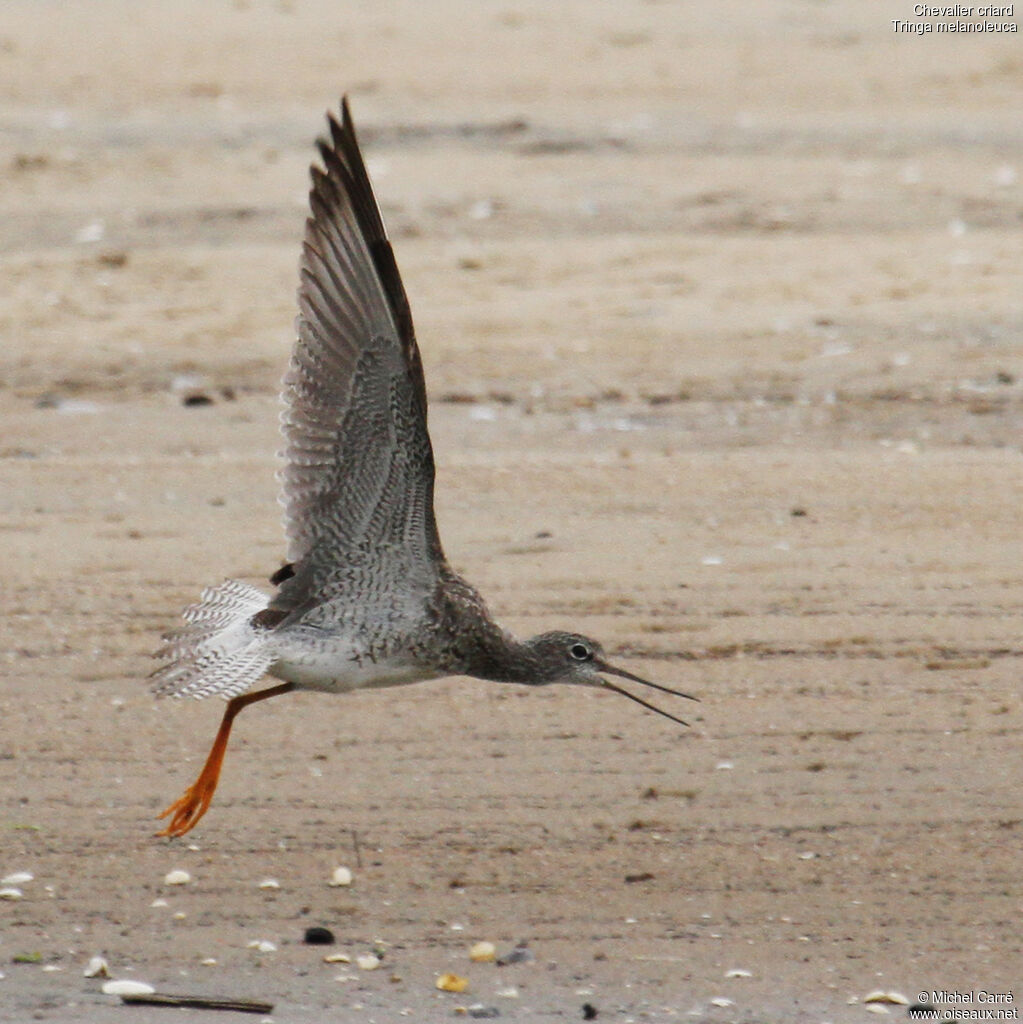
(91, 232)
(341, 876)
(159, 903)
(483, 953)
(262, 946)
(126, 987)
(337, 958)
(97, 967)
(876, 1008)
(367, 962)
(452, 983)
(208, 961)
(17, 878)
(511, 992)
(722, 1001)
(738, 972)
(269, 883)
(10, 892)
(880, 996)
(177, 877)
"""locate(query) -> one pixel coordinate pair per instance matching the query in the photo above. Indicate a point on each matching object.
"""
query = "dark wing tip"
(344, 176)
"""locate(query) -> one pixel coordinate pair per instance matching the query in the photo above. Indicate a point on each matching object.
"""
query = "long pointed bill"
(603, 666)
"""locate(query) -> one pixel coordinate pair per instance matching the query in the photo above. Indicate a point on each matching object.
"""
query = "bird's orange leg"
(195, 801)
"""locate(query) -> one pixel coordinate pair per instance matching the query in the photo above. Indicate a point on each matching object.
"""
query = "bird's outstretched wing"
(358, 479)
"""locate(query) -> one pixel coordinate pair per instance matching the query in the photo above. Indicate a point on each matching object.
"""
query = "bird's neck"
(503, 658)
(474, 644)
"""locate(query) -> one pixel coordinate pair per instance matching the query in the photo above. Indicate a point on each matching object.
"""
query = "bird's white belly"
(342, 667)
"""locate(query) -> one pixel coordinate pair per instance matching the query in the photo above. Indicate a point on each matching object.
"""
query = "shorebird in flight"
(367, 598)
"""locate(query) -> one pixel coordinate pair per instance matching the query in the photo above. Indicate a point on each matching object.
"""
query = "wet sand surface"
(721, 321)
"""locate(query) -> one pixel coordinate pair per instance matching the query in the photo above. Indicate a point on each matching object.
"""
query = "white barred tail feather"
(218, 652)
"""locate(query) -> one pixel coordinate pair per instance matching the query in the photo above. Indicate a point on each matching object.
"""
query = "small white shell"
(17, 878)
(159, 903)
(483, 953)
(97, 967)
(269, 883)
(337, 958)
(177, 877)
(367, 962)
(738, 972)
(722, 1001)
(262, 946)
(9, 892)
(880, 996)
(341, 876)
(208, 961)
(125, 987)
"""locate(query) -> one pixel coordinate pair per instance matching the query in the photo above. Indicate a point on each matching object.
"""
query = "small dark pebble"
(643, 876)
(196, 399)
(1004, 378)
(797, 512)
(115, 258)
(484, 1012)
(589, 1011)
(317, 936)
(543, 534)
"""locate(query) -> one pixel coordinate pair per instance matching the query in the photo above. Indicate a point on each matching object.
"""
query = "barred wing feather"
(358, 481)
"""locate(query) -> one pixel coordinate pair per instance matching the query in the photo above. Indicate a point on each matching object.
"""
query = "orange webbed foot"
(189, 808)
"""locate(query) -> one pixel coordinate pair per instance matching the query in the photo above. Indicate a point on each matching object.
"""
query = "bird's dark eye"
(580, 652)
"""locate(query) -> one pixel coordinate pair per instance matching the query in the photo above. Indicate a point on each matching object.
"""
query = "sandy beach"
(720, 314)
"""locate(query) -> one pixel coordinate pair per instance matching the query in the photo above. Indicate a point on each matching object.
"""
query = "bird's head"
(572, 658)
